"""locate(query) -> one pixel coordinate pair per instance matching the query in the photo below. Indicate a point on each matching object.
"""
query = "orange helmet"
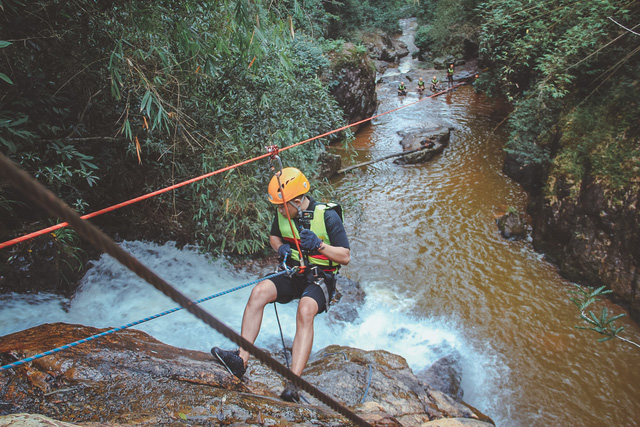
(293, 182)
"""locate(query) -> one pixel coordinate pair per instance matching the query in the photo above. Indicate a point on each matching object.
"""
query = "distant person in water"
(402, 89)
(450, 75)
(420, 85)
(317, 230)
(434, 83)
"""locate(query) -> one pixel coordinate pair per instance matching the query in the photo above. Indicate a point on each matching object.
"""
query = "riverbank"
(130, 378)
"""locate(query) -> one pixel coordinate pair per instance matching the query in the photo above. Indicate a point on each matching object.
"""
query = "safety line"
(56, 207)
(207, 175)
(128, 325)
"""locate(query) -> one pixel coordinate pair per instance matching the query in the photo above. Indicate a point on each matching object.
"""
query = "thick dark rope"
(45, 198)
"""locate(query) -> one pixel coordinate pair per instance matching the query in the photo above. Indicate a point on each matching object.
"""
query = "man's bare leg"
(262, 294)
(303, 341)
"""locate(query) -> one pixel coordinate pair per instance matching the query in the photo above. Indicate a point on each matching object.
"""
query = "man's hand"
(309, 242)
(284, 250)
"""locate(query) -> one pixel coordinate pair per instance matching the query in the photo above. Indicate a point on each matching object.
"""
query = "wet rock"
(592, 238)
(33, 420)
(383, 379)
(384, 48)
(445, 375)
(428, 142)
(441, 62)
(470, 49)
(512, 226)
(355, 89)
(131, 378)
(379, 45)
(530, 175)
(349, 298)
(329, 164)
(400, 49)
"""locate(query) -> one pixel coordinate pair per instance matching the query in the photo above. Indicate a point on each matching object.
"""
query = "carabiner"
(276, 172)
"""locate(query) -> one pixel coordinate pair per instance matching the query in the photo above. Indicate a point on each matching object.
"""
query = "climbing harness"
(39, 194)
(210, 174)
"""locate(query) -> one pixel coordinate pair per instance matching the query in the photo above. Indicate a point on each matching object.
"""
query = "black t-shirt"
(333, 222)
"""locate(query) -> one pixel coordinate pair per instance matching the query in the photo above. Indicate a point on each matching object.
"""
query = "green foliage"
(70, 257)
(569, 71)
(444, 24)
(353, 16)
(423, 40)
(118, 99)
(604, 323)
(3, 76)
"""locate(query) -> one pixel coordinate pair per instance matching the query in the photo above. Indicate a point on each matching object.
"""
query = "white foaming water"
(111, 296)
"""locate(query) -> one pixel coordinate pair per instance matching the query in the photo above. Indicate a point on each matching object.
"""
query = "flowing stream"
(438, 277)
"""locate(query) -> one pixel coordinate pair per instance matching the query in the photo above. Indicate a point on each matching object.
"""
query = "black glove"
(309, 242)
(284, 250)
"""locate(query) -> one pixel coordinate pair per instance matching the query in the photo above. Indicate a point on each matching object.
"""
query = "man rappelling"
(301, 225)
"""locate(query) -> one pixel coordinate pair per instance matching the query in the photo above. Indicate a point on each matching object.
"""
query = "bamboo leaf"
(5, 78)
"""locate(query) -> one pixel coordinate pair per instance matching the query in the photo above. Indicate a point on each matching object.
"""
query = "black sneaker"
(290, 393)
(230, 360)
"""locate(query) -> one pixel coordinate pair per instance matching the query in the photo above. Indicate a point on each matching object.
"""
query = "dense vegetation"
(102, 101)
(571, 71)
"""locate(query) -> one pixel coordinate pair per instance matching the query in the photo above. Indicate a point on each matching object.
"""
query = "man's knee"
(263, 293)
(307, 308)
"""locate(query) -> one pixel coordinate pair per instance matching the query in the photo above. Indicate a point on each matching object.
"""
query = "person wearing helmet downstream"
(325, 246)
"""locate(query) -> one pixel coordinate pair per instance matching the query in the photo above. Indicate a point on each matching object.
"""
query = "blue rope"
(128, 325)
(368, 384)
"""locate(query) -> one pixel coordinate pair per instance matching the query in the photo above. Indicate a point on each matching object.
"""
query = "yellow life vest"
(318, 226)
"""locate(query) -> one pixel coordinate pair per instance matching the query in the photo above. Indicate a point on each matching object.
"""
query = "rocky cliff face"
(592, 239)
(130, 378)
(353, 82)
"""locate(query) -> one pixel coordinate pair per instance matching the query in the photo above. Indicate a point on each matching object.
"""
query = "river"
(438, 277)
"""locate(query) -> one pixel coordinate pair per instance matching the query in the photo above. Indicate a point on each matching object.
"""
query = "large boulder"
(512, 226)
(422, 144)
(131, 378)
(353, 82)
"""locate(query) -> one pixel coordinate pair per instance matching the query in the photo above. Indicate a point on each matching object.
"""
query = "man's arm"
(338, 251)
(336, 254)
(275, 242)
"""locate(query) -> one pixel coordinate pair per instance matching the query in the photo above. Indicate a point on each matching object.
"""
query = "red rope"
(201, 177)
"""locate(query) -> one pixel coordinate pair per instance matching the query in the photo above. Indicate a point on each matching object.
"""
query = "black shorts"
(297, 286)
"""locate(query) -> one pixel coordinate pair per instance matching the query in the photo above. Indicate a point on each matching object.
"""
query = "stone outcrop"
(428, 141)
(382, 47)
(593, 239)
(512, 226)
(131, 378)
(353, 83)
